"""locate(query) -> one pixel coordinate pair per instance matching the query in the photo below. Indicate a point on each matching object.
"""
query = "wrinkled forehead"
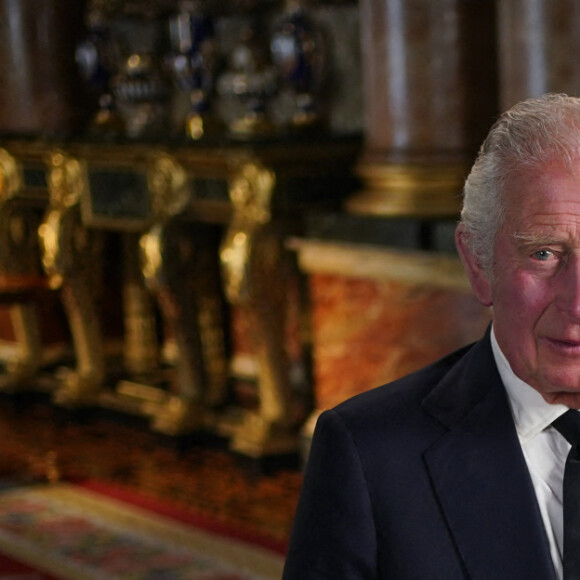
(547, 192)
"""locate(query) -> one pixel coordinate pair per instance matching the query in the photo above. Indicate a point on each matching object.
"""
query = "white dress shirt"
(544, 449)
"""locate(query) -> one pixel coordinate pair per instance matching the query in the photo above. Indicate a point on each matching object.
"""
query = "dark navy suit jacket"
(421, 479)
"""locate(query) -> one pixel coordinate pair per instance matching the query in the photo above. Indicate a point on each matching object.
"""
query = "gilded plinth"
(408, 190)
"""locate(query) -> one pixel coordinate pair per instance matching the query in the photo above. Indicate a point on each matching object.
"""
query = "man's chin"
(569, 398)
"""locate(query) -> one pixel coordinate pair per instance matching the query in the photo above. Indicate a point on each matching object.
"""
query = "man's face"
(535, 289)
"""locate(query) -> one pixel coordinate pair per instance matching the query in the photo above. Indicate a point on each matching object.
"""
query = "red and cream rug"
(85, 532)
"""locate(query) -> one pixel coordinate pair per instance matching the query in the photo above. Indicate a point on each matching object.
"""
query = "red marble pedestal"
(378, 314)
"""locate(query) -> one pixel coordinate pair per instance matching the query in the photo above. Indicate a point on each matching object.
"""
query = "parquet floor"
(37, 441)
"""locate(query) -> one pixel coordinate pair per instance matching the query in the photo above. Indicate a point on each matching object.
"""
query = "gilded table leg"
(141, 344)
(270, 430)
(71, 257)
(181, 272)
(19, 254)
(255, 276)
(178, 268)
(26, 325)
(82, 385)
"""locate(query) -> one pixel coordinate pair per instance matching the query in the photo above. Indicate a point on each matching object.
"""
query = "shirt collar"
(530, 411)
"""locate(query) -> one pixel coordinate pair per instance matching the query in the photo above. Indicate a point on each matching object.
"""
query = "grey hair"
(530, 134)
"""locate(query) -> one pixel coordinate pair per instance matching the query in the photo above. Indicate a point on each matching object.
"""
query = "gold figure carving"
(169, 187)
(255, 274)
(19, 255)
(10, 176)
(70, 255)
(18, 218)
(177, 265)
(250, 191)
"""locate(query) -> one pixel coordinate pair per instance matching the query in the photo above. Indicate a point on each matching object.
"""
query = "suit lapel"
(480, 477)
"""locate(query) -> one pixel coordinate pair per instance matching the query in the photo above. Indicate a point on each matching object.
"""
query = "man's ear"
(480, 282)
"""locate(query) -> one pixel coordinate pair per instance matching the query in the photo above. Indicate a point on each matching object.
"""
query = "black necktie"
(569, 426)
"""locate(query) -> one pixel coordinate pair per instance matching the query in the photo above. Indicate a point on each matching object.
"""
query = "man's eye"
(543, 255)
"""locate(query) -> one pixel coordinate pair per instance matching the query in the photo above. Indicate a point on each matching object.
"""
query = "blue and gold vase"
(298, 52)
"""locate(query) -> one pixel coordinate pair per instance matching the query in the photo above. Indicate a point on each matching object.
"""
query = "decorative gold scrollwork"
(62, 236)
(18, 248)
(168, 185)
(151, 246)
(250, 188)
(66, 245)
(67, 179)
(49, 235)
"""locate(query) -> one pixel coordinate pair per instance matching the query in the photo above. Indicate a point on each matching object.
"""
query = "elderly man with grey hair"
(459, 470)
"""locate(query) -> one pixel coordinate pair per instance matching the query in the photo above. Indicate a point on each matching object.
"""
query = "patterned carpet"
(73, 533)
(37, 442)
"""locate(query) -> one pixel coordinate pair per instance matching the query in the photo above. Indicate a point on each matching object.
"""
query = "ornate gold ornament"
(67, 179)
(18, 221)
(250, 188)
(10, 176)
(49, 237)
(151, 248)
(62, 235)
(168, 185)
(169, 189)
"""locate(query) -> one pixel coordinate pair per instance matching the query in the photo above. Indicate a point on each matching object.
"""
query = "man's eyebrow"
(537, 239)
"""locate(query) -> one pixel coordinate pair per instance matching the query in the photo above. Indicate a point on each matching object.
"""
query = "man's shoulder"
(402, 396)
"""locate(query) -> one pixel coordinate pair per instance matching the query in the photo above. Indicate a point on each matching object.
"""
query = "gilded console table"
(167, 202)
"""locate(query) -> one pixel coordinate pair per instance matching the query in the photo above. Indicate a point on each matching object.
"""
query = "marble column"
(41, 91)
(429, 96)
(538, 46)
